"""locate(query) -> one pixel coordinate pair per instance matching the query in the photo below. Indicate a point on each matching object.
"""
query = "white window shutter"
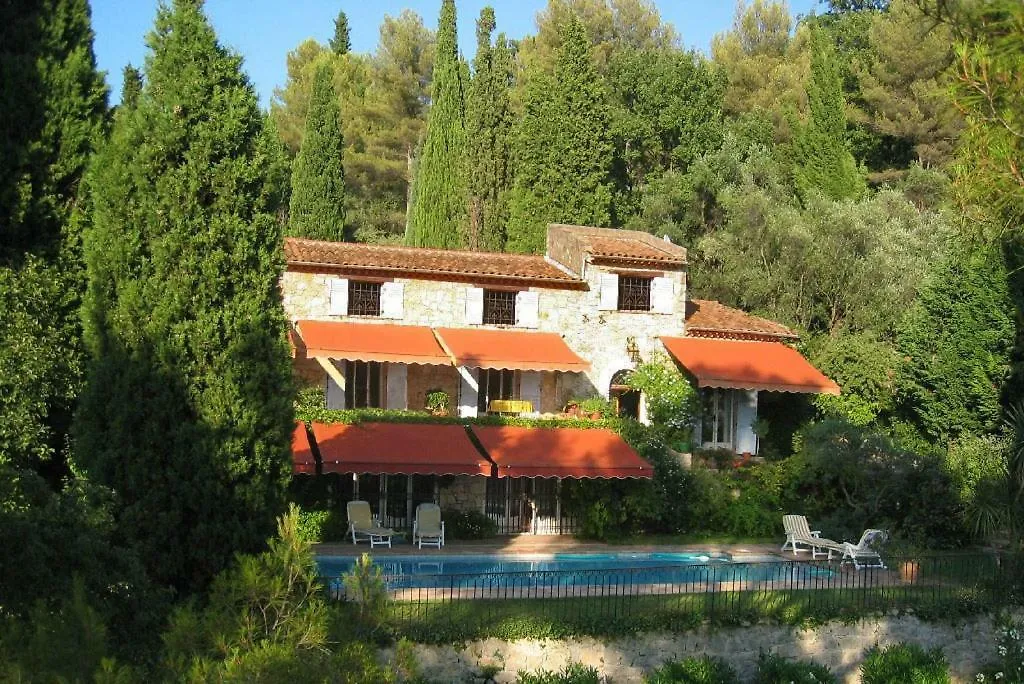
(474, 305)
(337, 294)
(663, 295)
(392, 300)
(609, 292)
(526, 309)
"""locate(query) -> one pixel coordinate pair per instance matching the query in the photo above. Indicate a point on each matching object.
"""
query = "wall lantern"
(632, 350)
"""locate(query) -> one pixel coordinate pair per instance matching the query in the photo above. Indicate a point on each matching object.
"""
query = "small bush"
(321, 526)
(705, 670)
(774, 669)
(365, 586)
(573, 673)
(467, 525)
(904, 664)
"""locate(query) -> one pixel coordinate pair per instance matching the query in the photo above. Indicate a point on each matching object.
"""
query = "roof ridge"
(409, 248)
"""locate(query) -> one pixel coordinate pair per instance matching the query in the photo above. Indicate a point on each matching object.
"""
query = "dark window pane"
(362, 384)
(499, 307)
(374, 385)
(634, 293)
(363, 298)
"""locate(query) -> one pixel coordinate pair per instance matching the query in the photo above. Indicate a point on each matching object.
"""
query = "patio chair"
(363, 525)
(427, 527)
(864, 553)
(798, 531)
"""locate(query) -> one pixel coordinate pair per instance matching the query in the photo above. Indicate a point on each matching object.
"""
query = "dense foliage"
(904, 663)
(186, 412)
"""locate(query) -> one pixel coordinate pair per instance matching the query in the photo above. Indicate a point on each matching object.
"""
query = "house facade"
(386, 327)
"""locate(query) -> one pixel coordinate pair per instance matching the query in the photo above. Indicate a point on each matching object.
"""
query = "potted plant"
(438, 402)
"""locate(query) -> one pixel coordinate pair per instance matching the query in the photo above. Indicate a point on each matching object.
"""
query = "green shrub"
(573, 673)
(704, 670)
(1009, 666)
(774, 669)
(365, 587)
(321, 526)
(904, 664)
(467, 525)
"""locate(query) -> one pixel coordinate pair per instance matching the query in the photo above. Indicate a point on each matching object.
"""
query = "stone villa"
(383, 326)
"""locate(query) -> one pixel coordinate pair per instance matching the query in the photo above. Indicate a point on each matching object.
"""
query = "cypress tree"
(187, 409)
(437, 214)
(488, 129)
(821, 149)
(132, 86)
(564, 152)
(317, 208)
(340, 42)
(52, 110)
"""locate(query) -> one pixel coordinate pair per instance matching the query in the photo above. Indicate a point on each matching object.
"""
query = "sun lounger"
(864, 554)
(427, 527)
(798, 531)
(363, 525)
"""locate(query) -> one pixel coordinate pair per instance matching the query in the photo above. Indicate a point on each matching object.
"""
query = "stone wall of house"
(968, 647)
(464, 493)
(424, 378)
(599, 337)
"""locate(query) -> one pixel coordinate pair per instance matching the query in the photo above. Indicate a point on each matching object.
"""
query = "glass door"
(718, 418)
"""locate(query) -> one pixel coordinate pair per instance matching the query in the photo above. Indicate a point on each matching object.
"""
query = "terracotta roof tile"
(422, 261)
(708, 318)
(617, 244)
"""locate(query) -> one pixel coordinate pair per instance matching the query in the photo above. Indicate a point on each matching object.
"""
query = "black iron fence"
(439, 606)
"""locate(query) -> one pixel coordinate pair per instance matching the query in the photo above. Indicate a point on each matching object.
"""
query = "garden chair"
(364, 525)
(427, 527)
(864, 553)
(798, 531)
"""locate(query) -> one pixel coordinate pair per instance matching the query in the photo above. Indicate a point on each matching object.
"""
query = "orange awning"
(746, 364)
(510, 350)
(303, 462)
(371, 342)
(398, 448)
(560, 452)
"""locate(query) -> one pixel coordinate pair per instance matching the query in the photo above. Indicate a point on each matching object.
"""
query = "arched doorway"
(625, 400)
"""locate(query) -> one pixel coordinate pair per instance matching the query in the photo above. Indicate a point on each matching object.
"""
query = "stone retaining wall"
(968, 646)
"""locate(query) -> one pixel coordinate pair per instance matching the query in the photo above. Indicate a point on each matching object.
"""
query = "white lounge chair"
(864, 553)
(364, 525)
(427, 527)
(798, 531)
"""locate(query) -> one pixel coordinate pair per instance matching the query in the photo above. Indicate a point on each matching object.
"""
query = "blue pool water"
(467, 571)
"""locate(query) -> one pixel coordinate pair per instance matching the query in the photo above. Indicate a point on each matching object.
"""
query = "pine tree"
(437, 215)
(564, 153)
(52, 110)
(187, 409)
(821, 149)
(488, 132)
(341, 43)
(317, 208)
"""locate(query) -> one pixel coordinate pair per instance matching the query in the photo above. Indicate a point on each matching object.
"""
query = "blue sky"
(264, 31)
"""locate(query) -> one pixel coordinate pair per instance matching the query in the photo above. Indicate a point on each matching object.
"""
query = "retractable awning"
(510, 350)
(370, 342)
(747, 364)
(398, 448)
(303, 462)
(560, 452)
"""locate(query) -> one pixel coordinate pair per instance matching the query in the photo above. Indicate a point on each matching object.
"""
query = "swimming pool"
(497, 571)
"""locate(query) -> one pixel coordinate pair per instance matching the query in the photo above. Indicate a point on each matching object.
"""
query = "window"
(718, 416)
(363, 298)
(634, 293)
(362, 384)
(499, 307)
(495, 384)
